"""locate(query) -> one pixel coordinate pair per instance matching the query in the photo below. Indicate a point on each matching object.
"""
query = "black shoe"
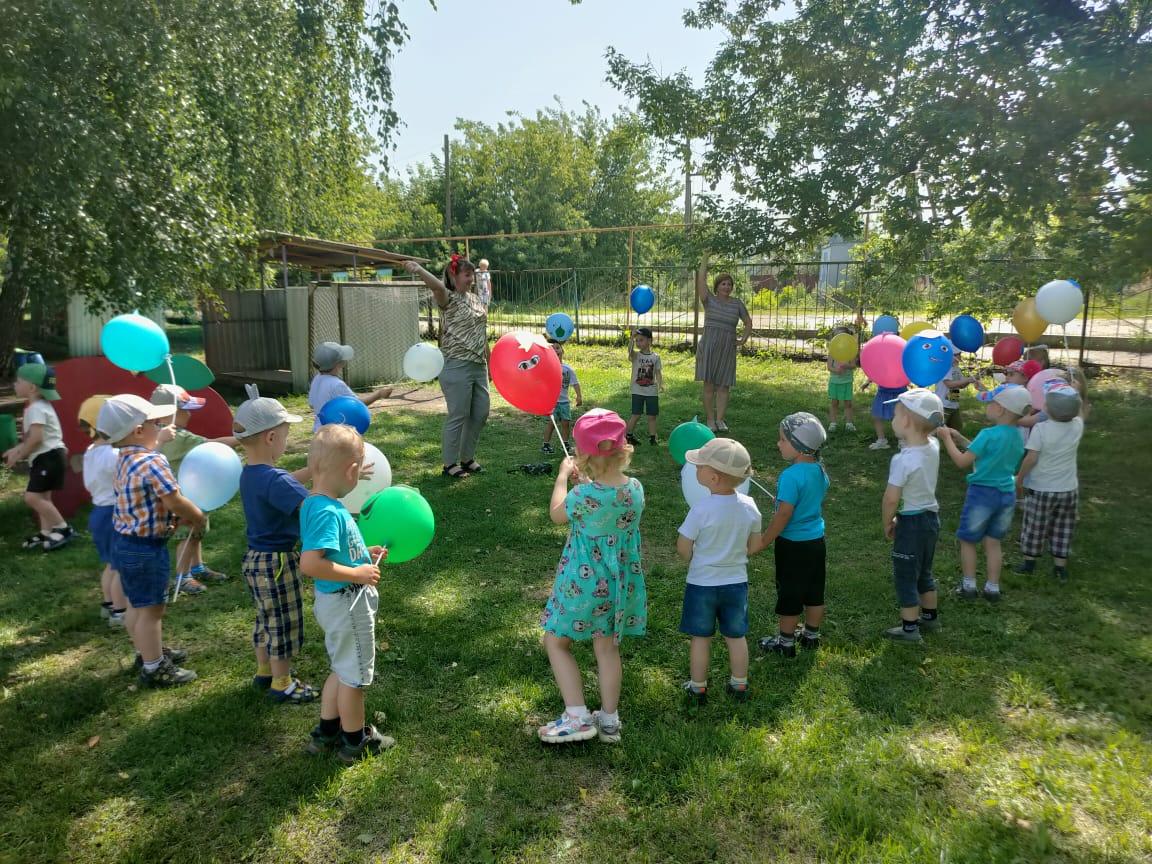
(652, 440)
(739, 693)
(546, 447)
(992, 596)
(1060, 573)
(695, 697)
(372, 742)
(966, 593)
(631, 439)
(1028, 565)
(776, 645)
(809, 642)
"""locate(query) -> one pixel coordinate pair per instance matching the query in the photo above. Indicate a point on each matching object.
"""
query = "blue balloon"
(346, 410)
(966, 333)
(134, 342)
(210, 475)
(927, 358)
(642, 299)
(885, 324)
(559, 326)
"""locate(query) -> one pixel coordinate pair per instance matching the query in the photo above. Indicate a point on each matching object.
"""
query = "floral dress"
(599, 587)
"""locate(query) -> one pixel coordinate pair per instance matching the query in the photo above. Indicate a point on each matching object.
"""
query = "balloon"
(1059, 301)
(559, 326)
(688, 436)
(966, 333)
(134, 342)
(400, 519)
(694, 493)
(885, 324)
(1036, 386)
(423, 362)
(1007, 350)
(347, 410)
(210, 475)
(881, 358)
(1027, 320)
(368, 486)
(642, 299)
(910, 330)
(843, 347)
(526, 371)
(927, 358)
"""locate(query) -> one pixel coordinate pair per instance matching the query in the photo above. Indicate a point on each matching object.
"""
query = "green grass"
(1020, 733)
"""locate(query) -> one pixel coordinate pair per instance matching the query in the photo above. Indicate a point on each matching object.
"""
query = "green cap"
(44, 377)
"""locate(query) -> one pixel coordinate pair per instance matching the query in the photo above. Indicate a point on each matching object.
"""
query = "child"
(563, 410)
(715, 539)
(841, 378)
(948, 391)
(1049, 474)
(100, 461)
(272, 498)
(797, 530)
(175, 443)
(330, 358)
(147, 497)
(1038, 354)
(599, 592)
(647, 382)
(987, 515)
(43, 447)
(346, 573)
(483, 282)
(883, 411)
(910, 513)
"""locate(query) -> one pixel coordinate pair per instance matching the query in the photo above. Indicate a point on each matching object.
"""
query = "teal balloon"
(688, 436)
(401, 520)
(134, 342)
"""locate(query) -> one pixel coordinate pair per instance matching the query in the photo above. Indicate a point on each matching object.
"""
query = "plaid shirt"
(142, 477)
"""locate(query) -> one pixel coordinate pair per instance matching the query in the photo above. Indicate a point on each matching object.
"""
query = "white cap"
(119, 415)
(723, 455)
(259, 415)
(1015, 398)
(922, 403)
(328, 354)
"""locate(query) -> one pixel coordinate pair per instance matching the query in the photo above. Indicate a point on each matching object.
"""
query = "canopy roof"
(319, 255)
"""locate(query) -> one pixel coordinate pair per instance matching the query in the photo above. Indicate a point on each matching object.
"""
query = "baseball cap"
(119, 415)
(646, 332)
(1061, 401)
(597, 428)
(1012, 396)
(44, 377)
(259, 415)
(90, 410)
(1027, 368)
(804, 431)
(173, 394)
(328, 354)
(724, 455)
(922, 403)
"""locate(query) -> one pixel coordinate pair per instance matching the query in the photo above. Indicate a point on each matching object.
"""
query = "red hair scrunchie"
(454, 264)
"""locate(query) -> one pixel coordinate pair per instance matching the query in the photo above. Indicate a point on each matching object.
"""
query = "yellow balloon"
(1027, 320)
(843, 347)
(910, 330)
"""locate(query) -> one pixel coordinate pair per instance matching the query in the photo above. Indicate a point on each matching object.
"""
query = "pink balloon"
(1036, 386)
(881, 358)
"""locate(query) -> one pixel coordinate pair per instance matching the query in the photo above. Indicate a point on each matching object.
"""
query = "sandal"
(472, 466)
(35, 541)
(296, 693)
(456, 472)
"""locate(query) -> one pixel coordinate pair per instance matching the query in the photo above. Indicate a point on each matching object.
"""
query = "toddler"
(647, 382)
(841, 379)
(100, 460)
(330, 358)
(948, 391)
(883, 411)
(563, 410)
(483, 282)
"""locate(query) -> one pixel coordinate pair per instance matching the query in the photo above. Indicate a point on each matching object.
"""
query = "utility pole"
(447, 188)
(693, 275)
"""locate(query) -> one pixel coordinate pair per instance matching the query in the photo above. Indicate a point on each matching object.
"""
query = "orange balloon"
(1027, 320)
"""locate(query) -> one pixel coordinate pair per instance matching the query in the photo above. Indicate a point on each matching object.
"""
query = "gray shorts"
(348, 619)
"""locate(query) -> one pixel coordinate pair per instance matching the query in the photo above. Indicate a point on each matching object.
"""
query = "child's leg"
(788, 624)
(564, 669)
(968, 563)
(147, 634)
(329, 699)
(652, 425)
(46, 513)
(566, 431)
(350, 701)
(190, 555)
(1036, 525)
(848, 412)
(832, 403)
(106, 584)
(699, 658)
(737, 657)
(813, 617)
(880, 427)
(119, 601)
(610, 671)
(993, 558)
(632, 421)
(548, 432)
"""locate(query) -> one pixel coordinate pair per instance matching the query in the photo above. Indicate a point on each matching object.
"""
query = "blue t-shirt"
(998, 450)
(803, 485)
(271, 497)
(326, 524)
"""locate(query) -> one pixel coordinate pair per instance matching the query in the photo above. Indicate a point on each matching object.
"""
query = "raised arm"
(702, 292)
(432, 282)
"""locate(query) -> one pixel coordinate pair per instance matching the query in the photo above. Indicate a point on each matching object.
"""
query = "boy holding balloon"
(329, 358)
(647, 382)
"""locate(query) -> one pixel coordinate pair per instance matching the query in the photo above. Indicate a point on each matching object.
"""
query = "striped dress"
(716, 353)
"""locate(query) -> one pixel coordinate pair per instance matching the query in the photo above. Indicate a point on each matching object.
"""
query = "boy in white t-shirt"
(716, 539)
(101, 460)
(647, 382)
(1048, 473)
(329, 358)
(911, 515)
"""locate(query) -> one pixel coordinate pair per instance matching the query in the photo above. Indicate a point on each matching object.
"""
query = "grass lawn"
(1020, 733)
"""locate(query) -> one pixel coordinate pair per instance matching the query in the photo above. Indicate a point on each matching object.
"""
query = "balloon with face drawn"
(526, 372)
(927, 358)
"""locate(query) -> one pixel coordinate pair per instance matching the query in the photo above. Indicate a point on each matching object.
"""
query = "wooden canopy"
(324, 256)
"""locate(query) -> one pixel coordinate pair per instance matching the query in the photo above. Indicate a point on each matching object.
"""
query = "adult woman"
(464, 380)
(716, 353)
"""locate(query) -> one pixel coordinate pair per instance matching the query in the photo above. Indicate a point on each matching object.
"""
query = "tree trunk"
(13, 296)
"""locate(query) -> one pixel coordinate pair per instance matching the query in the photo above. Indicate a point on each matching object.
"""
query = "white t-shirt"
(944, 393)
(1056, 443)
(645, 368)
(100, 462)
(323, 389)
(719, 526)
(914, 470)
(40, 412)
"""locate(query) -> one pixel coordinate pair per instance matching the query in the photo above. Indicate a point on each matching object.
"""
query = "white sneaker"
(849, 427)
(880, 444)
(608, 734)
(115, 619)
(832, 427)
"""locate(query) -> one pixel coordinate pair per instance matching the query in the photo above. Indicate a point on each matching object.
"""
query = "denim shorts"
(649, 405)
(143, 564)
(348, 619)
(103, 534)
(987, 513)
(913, 550)
(704, 605)
(562, 411)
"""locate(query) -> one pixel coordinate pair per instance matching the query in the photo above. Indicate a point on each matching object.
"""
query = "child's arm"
(556, 508)
(375, 395)
(950, 437)
(185, 510)
(439, 292)
(957, 383)
(228, 441)
(758, 542)
(684, 547)
(304, 475)
(888, 509)
(1030, 420)
(659, 378)
(632, 346)
(579, 393)
(315, 565)
(33, 435)
(1031, 457)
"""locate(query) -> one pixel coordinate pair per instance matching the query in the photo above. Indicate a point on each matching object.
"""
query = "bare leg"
(814, 616)
(738, 656)
(993, 558)
(548, 432)
(106, 585)
(909, 613)
(146, 635)
(881, 429)
(652, 424)
(709, 404)
(119, 601)
(46, 512)
(190, 556)
(351, 703)
(968, 559)
(329, 701)
(564, 669)
(699, 655)
(566, 430)
(788, 623)
(848, 412)
(632, 421)
(832, 411)
(610, 671)
(722, 394)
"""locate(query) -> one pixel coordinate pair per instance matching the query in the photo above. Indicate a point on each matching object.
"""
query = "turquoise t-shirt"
(803, 485)
(998, 450)
(326, 524)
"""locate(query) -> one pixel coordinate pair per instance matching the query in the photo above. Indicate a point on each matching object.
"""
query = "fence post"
(695, 308)
(576, 305)
(1084, 326)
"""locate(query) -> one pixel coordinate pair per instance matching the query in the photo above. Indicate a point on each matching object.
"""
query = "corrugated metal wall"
(84, 327)
(250, 333)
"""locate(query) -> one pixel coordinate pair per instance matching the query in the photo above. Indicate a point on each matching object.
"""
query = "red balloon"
(1007, 350)
(526, 371)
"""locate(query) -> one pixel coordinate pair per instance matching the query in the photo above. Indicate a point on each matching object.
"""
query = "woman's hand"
(412, 267)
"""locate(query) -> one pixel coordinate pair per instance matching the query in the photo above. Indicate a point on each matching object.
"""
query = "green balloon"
(688, 436)
(399, 519)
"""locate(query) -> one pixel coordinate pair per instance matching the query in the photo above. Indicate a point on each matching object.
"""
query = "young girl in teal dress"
(599, 591)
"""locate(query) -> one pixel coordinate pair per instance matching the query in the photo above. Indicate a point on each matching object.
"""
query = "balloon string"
(563, 446)
(362, 592)
(179, 557)
(760, 486)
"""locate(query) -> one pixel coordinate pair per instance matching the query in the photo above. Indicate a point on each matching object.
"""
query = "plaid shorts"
(274, 582)
(1049, 517)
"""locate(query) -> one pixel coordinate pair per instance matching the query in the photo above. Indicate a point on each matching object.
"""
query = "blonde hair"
(1079, 380)
(1040, 354)
(334, 446)
(603, 464)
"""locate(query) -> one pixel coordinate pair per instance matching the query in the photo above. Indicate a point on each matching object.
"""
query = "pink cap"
(597, 428)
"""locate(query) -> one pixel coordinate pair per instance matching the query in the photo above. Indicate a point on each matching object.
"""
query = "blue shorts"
(143, 564)
(562, 411)
(649, 405)
(103, 534)
(704, 605)
(987, 513)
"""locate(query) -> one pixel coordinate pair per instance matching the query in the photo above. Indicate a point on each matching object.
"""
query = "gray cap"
(1062, 402)
(804, 431)
(259, 414)
(119, 415)
(328, 354)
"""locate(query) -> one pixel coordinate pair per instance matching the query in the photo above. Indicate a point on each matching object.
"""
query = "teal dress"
(599, 587)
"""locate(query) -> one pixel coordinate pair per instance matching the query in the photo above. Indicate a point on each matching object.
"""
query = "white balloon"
(381, 479)
(209, 475)
(1059, 301)
(423, 362)
(694, 493)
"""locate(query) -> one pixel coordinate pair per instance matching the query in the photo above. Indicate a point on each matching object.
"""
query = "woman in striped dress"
(716, 353)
